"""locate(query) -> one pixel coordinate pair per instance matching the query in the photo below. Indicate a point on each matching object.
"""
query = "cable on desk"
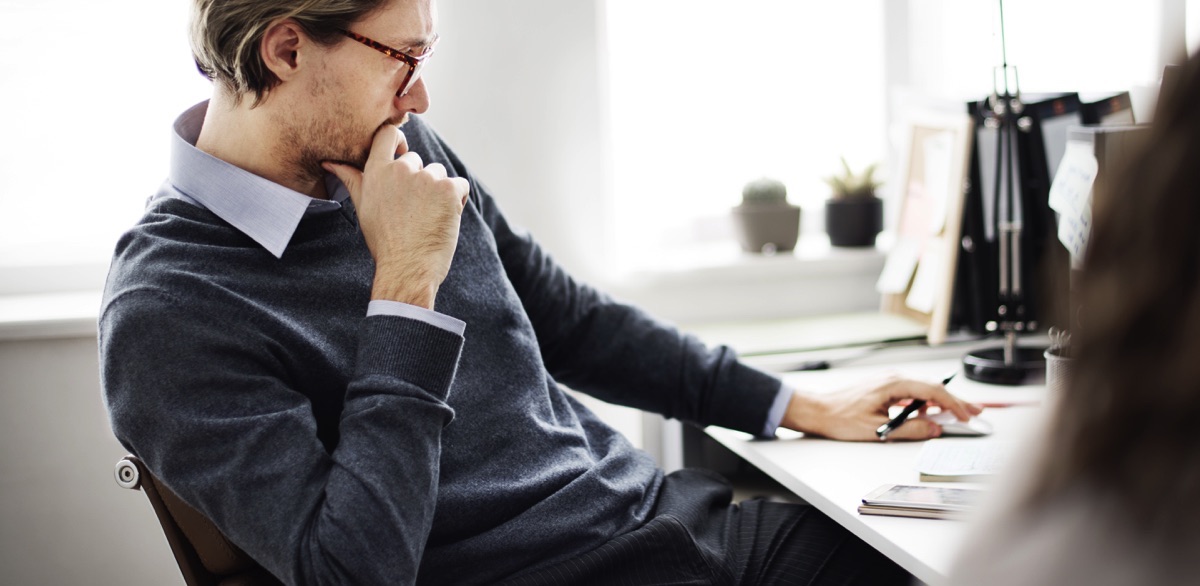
(826, 364)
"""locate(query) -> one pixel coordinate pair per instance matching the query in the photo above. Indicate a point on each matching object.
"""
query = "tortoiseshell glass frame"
(414, 63)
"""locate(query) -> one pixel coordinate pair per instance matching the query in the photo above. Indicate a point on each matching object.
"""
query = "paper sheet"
(931, 270)
(898, 270)
(1071, 196)
(937, 178)
(963, 457)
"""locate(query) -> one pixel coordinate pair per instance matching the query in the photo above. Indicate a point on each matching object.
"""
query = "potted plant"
(853, 213)
(765, 221)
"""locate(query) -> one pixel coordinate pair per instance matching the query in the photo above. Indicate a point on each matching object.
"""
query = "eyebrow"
(410, 43)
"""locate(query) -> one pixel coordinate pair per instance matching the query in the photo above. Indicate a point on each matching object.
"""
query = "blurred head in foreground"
(1112, 497)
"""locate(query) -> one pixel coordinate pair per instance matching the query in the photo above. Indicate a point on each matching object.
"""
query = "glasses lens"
(413, 76)
(414, 70)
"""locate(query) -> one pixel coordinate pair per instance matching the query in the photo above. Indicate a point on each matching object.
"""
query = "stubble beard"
(336, 139)
(334, 135)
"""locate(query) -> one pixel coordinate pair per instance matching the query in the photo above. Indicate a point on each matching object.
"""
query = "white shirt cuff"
(778, 408)
(433, 318)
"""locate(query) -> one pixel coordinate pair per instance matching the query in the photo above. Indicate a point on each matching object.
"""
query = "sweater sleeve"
(620, 354)
(212, 414)
(611, 350)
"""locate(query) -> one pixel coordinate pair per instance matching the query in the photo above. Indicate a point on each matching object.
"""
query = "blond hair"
(225, 36)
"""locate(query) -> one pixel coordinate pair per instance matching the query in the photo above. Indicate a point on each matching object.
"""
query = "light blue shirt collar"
(265, 211)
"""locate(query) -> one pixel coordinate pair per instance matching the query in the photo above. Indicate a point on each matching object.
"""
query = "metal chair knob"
(127, 475)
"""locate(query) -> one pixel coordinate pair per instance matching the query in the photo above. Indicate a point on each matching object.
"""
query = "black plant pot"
(853, 221)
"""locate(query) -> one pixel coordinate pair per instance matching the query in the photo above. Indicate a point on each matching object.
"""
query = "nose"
(416, 101)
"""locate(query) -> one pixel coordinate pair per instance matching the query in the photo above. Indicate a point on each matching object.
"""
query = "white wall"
(63, 519)
(516, 91)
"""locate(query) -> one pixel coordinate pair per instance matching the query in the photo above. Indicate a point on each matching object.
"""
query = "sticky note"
(931, 272)
(1071, 196)
(898, 270)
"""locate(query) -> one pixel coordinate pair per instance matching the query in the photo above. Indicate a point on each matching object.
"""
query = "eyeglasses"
(414, 63)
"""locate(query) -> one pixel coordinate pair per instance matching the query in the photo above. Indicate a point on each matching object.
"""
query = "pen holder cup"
(1058, 372)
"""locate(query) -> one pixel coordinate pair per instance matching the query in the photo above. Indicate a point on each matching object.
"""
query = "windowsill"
(720, 282)
(49, 315)
(813, 256)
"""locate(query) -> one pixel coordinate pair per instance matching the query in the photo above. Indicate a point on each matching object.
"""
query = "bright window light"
(1192, 28)
(1086, 46)
(706, 96)
(89, 91)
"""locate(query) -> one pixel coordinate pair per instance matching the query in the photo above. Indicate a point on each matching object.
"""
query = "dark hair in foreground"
(1128, 426)
(226, 34)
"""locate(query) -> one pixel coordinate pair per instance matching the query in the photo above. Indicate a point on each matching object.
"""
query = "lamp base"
(987, 366)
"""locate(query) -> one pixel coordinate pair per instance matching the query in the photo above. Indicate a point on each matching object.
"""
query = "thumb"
(389, 142)
(349, 176)
(402, 145)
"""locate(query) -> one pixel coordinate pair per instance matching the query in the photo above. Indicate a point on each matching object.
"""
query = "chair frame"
(132, 473)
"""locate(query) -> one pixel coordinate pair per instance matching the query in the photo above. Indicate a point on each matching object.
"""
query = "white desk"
(834, 476)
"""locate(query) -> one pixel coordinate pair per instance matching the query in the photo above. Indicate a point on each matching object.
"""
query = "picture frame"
(918, 278)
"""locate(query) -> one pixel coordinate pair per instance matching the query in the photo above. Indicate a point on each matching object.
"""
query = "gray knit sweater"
(339, 448)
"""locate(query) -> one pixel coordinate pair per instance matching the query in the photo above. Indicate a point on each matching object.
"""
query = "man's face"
(350, 90)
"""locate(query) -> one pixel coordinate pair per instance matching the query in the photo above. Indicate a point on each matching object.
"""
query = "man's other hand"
(855, 413)
(409, 215)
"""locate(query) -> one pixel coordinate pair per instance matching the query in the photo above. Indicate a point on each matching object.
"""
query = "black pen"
(896, 421)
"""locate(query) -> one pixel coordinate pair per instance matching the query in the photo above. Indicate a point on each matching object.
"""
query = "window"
(703, 96)
(1065, 45)
(90, 91)
(1192, 28)
(706, 96)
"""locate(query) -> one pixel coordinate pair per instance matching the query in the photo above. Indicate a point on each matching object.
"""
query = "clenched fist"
(409, 215)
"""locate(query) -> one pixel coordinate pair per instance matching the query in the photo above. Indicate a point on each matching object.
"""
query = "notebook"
(961, 459)
(925, 502)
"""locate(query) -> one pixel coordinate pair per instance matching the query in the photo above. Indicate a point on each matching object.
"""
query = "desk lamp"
(1008, 364)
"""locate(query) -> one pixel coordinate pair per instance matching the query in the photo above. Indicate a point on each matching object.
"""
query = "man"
(325, 336)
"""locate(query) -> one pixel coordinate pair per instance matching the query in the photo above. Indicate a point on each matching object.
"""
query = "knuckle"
(454, 185)
(411, 161)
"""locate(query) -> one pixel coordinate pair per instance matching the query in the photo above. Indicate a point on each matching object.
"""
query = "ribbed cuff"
(410, 350)
(750, 396)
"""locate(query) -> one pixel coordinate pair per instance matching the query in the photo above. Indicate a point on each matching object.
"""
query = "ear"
(280, 48)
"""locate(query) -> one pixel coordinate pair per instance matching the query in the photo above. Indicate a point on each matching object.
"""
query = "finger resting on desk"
(915, 429)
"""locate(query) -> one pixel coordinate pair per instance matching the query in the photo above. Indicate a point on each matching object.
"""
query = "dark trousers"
(696, 536)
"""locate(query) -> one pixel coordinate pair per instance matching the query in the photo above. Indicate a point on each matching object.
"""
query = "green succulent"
(764, 190)
(849, 185)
